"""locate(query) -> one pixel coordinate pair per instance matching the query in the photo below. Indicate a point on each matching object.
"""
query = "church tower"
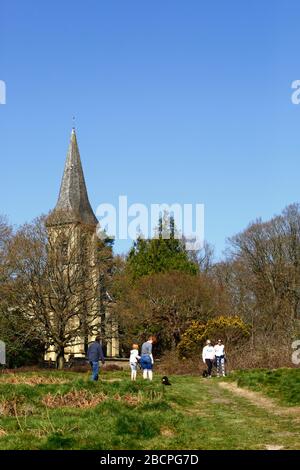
(72, 230)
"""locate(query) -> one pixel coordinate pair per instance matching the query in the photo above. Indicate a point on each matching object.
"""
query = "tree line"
(251, 298)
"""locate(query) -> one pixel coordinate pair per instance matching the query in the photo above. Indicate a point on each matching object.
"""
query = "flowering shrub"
(231, 329)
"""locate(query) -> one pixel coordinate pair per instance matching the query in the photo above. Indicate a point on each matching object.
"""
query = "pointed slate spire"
(73, 201)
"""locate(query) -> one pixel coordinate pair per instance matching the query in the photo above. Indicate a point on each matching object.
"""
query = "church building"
(73, 214)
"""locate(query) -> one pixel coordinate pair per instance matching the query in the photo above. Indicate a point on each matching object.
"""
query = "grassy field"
(64, 410)
(280, 384)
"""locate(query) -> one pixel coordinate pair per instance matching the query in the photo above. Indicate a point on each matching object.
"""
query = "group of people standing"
(214, 355)
(145, 360)
(211, 355)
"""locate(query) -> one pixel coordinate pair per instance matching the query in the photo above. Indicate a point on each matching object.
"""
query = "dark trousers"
(209, 364)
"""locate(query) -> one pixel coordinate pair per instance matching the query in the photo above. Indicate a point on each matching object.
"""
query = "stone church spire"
(73, 201)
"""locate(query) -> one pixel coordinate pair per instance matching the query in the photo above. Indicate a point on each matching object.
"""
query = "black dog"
(165, 380)
(204, 374)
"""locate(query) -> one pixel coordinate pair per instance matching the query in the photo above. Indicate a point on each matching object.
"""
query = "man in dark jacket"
(95, 354)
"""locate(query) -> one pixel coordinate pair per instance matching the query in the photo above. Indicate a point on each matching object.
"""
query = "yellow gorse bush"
(230, 328)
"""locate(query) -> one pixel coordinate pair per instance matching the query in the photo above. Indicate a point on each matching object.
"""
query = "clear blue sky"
(175, 101)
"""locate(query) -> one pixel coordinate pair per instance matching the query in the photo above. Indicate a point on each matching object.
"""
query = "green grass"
(280, 384)
(193, 413)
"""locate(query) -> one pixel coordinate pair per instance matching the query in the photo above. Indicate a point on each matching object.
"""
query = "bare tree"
(262, 274)
(56, 283)
(5, 236)
(204, 257)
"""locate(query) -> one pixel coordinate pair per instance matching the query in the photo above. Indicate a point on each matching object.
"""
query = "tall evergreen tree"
(165, 252)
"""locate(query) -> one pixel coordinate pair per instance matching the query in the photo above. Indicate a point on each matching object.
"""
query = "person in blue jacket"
(94, 355)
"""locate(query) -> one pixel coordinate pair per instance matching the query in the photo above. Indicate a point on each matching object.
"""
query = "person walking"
(146, 360)
(208, 356)
(94, 355)
(220, 358)
(133, 360)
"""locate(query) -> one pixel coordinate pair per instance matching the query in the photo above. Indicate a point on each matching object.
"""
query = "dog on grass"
(165, 380)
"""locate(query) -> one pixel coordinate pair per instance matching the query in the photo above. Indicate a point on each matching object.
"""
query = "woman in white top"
(220, 358)
(133, 360)
(208, 356)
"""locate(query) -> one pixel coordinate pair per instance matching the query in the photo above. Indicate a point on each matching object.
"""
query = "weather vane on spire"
(73, 119)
